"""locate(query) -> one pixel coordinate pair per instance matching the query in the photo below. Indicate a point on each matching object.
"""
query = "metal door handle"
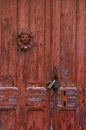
(55, 84)
(51, 84)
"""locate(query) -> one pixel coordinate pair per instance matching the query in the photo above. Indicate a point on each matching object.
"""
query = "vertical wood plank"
(56, 36)
(13, 34)
(40, 39)
(35, 120)
(85, 42)
(47, 57)
(47, 41)
(22, 26)
(66, 123)
(7, 120)
(80, 57)
(74, 29)
(39, 58)
(55, 52)
(84, 6)
(80, 45)
(5, 37)
(0, 34)
(68, 40)
(23, 14)
(32, 59)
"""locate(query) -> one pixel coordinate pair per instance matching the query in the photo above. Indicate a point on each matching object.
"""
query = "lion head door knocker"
(25, 40)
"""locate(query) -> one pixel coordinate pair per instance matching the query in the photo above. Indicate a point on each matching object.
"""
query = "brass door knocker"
(25, 40)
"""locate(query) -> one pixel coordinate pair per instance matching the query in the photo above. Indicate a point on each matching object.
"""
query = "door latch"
(51, 84)
(55, 84)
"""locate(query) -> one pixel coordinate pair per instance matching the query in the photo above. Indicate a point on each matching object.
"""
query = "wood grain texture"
(55, 46)
(8, 119)
(55, 56)
(85, 41)
(58, 49)
(12, 41)
(47, 41)
(68, 32)
(34, 119)
(80, 58)
(9, 97)
(0, 35)
(37, 102)
(66, 120)
(22, 25)
(8, 38)
(84, 119)
(40, 34)
(32, 58)
(80, 45)
(36, 60)
(5, 37)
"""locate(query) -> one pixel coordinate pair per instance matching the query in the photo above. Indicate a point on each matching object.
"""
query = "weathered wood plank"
(35, 120)
(80, 58)
(0, 34)
(5, 37)
(55, 56)
(40, 39)
(22, 26)
(32, 58)
(67, 120)
(13, 42)
(80, 45)
(9, 97)
(56, 37)
(8, 119)
(47, 41)
(68, 32)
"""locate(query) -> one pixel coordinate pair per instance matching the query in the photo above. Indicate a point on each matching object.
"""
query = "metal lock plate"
(67, 97)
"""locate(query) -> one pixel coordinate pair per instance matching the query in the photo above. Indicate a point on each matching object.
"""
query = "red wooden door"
(41, 41)
(70, 98)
